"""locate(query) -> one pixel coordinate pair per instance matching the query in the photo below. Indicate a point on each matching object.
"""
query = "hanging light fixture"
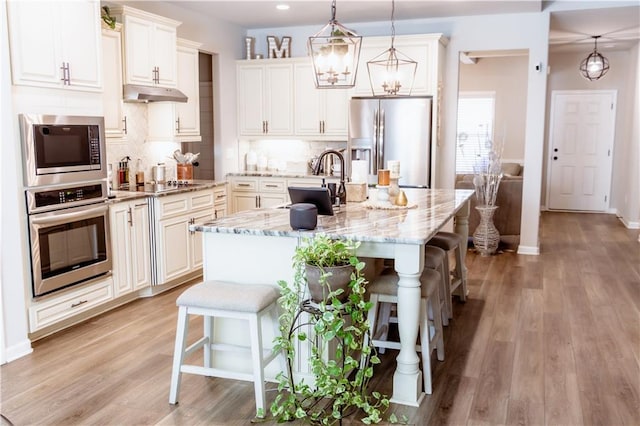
(391, 73)
(335, 51)
(594, 66)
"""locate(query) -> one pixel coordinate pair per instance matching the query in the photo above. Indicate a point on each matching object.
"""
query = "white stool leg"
(447, 287)
(445, 282)
(208, 334)
(460, 274)
(437, 323)
(182, 330)
(255, 327)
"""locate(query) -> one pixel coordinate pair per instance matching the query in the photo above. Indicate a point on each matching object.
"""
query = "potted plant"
(339, 326)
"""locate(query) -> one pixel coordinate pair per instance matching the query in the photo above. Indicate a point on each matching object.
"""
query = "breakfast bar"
(257, 246)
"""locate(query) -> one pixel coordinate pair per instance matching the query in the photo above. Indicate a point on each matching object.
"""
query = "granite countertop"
(417, 225)
(281, 174)
(147, 191)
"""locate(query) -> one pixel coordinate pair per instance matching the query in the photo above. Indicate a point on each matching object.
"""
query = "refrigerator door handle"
(380, 154)
(373, 164)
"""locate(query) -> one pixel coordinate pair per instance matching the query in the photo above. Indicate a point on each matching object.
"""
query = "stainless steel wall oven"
(69, 235)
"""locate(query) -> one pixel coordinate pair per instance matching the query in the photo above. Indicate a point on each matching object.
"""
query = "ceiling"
(570, 30)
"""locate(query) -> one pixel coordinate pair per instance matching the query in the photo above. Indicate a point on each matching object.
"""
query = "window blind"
(476, 113)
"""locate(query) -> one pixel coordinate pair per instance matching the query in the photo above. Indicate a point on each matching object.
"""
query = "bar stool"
(448, 241)
(435, 258)
(226, 300)
(385, 289)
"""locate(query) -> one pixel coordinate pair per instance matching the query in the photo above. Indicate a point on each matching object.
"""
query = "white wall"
(13, 279)
(507, 77)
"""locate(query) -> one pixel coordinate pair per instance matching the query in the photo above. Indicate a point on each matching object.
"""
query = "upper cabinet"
(265, 97)
(115, 122)
(426, 49)
(150, 47)
(321, 113)
(56, 44)
(179, 121)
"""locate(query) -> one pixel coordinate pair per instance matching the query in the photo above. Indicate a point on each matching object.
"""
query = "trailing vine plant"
(341, 381)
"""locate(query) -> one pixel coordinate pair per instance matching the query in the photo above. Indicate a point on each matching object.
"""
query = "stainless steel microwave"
(62, 149)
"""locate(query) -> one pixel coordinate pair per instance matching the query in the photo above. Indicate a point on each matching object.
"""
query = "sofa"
(508, 200)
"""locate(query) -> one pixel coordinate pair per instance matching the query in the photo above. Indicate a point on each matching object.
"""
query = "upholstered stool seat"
(251, 302)
(385, 289)
(448, 241)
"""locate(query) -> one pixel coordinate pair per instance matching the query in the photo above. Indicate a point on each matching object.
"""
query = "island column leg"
(407, 379)
(462, 228)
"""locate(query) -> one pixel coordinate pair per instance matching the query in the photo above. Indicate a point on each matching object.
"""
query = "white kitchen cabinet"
(178, 251)
(265, 97)
(115, 122)
(56, 44)
(150, 47)
(219, 202)
(249, 192)
(319, 112)
(131, 246)
(69, 303)
(426, 49)
(179, 121)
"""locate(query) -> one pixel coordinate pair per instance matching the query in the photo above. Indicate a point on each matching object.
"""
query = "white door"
(580, 149)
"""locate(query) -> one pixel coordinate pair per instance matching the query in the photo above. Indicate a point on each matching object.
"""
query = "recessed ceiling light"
(282, 7)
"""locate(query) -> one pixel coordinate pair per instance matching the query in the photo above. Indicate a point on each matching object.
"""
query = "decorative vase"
(340, 278)
(486, 237)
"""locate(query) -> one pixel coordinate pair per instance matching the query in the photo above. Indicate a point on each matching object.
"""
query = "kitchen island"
(257, 246)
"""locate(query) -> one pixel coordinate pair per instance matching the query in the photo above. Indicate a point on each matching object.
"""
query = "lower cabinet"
(178, 251)
(131, 246)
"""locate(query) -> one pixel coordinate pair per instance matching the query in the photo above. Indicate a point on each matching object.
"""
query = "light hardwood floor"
(551, 339)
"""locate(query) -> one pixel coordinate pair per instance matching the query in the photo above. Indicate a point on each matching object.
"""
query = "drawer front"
(173, 205)
(272, 185)
(48, 312)
(202, 199)
(219, 196)
(247, 185)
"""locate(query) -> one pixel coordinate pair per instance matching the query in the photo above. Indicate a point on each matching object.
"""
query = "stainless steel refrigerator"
(398, 128)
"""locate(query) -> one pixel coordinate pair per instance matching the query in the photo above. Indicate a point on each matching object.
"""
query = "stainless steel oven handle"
(60, 217)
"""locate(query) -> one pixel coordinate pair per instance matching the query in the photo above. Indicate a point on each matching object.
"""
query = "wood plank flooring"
(542, 340)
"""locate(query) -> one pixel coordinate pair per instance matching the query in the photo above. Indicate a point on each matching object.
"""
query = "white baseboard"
(629, 224)
(529, 250)
(18, 351)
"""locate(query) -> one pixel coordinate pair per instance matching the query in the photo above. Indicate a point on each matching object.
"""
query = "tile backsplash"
(134, 145)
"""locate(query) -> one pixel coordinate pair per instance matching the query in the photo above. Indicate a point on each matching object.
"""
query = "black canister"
(303, 216)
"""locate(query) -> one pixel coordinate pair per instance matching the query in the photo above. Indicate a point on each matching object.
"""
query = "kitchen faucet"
(341, 192)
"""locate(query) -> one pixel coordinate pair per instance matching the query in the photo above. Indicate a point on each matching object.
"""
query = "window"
(476, 112)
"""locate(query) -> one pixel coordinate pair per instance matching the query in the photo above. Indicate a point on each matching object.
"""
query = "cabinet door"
(279, 99)
(81, 43)
(165, 56)
(188, 113)
(173, 248)
(120, 217)
(140, 246)
(244, 201)
(112, 96)
(196, 238)
(271, 200)
(335, 117)
(35, 55)
(307, 101)
(139, 50)
(251, 93)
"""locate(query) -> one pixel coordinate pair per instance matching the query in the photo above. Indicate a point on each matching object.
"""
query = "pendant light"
(391, 73)
(594, 66)
(335, 51)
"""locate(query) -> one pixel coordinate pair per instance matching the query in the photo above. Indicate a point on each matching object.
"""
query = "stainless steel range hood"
(137, 93)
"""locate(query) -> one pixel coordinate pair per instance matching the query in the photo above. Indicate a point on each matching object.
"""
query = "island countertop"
(354, 220)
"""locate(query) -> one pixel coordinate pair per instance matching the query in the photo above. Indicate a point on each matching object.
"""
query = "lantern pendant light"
(594, 66)
(335, 51)
(391, 73)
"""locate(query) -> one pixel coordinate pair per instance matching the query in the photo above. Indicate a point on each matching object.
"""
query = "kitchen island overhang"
(257, 247)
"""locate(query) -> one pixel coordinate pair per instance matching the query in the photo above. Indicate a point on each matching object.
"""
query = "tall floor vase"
(486, 237)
